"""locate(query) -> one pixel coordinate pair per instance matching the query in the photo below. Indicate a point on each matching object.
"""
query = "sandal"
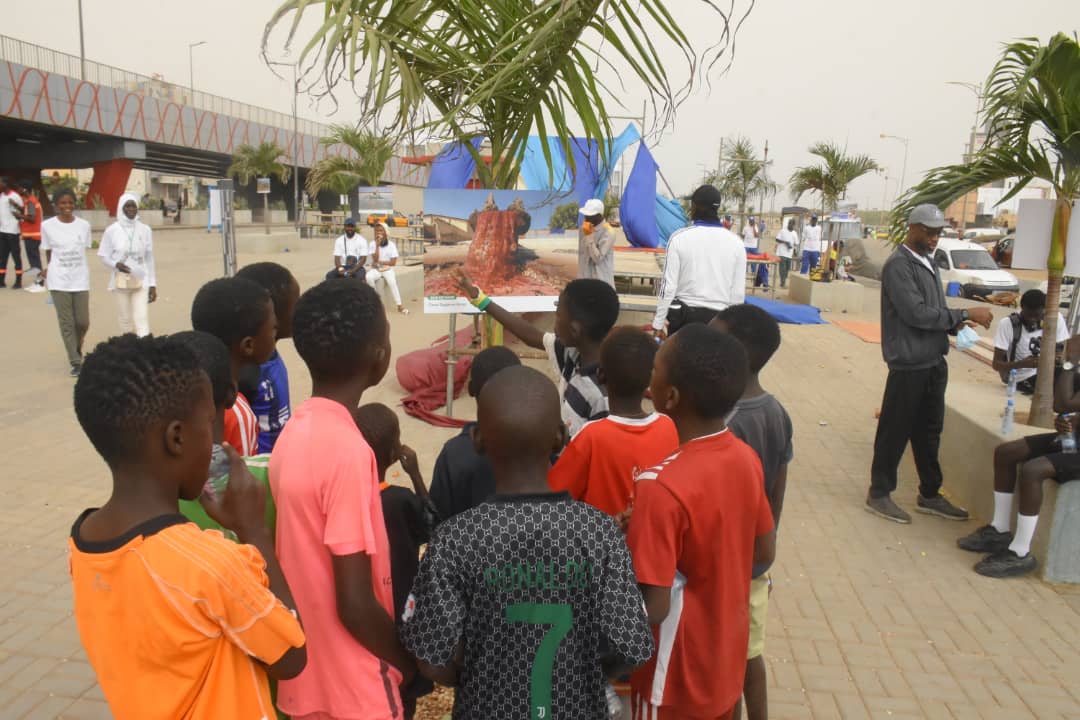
(404, 311)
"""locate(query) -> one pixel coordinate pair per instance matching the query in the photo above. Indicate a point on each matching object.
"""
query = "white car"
(970, 265)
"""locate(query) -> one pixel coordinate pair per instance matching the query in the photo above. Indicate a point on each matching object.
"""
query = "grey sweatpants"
(73, 315)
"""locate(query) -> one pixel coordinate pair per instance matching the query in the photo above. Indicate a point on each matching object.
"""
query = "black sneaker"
(941, 507)
(75, 370)
(986, 539)
(1006, 564)
(886, 508)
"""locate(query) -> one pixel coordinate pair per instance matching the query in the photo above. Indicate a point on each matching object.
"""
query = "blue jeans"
(810, 259)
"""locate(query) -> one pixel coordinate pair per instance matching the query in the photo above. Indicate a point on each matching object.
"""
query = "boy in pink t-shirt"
(331, 537)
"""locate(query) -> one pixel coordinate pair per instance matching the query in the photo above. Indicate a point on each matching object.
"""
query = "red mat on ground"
(423, 375)
(866, 331)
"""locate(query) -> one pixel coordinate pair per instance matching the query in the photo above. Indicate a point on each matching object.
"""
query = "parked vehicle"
(983, 235)
(970, 265)
(1068, 289)
(1002, 252)
(392, 218)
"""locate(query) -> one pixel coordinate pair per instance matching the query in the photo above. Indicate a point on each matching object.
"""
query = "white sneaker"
(35, 288)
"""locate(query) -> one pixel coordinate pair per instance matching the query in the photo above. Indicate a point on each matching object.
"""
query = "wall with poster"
(503, 240)
(1034, 222)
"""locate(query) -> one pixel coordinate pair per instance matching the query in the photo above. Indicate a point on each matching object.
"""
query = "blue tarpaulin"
(453, 166)
(786, 313)
(588, 179)
(648, 219)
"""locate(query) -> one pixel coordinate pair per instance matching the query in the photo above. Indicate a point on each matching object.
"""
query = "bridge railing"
(60, 63)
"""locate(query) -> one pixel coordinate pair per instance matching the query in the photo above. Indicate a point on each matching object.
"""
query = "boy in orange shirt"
(601, 463)
(176, 621)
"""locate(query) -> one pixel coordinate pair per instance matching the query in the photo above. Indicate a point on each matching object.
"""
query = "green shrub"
(565, 216)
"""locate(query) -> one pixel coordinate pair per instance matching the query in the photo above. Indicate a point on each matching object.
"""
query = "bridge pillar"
(109, 182)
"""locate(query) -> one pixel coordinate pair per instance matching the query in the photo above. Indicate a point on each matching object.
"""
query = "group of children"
(573, 537)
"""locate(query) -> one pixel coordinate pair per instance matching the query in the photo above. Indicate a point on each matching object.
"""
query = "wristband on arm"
(481, 301)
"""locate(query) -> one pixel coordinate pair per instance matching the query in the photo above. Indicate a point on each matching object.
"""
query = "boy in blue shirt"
(269, 398)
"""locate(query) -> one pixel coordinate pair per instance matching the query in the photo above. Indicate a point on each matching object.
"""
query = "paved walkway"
(868, 619)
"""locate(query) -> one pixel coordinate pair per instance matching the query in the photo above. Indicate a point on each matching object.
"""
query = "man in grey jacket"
(915, 325)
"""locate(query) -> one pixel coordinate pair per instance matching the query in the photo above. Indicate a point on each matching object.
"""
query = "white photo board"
(1034, 222)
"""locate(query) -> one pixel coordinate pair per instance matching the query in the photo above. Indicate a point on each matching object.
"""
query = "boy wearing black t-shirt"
(409, 516)
(528, 602)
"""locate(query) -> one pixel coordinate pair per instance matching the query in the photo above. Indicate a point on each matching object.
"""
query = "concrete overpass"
(57, 111)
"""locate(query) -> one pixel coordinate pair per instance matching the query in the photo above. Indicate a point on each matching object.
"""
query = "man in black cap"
(705, 270)
(915, 325)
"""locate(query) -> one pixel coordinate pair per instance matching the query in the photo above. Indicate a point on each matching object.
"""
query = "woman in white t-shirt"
(385, 259)
(127, 248)
(64, 239)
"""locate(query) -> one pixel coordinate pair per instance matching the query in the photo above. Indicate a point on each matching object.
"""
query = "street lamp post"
(191, 66)
(82, 46)
(903, 169)
(296, 140)
(974, 88)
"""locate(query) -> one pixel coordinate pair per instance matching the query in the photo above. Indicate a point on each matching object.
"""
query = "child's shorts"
(643, 710)
(759, 609)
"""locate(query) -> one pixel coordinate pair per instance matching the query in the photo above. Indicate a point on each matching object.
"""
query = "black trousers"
(913, 409)
(689, 315)
(9, 245)
(33, 252)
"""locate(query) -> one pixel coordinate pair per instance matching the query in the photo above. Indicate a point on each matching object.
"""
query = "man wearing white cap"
(596, 244)
(915, 325)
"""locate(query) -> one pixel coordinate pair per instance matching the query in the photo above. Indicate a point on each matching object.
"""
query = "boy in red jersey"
(600, 464)
(701, 520)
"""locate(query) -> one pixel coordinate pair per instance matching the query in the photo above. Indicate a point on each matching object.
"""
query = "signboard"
(503, 240)
(262, 186)
(1034, 223)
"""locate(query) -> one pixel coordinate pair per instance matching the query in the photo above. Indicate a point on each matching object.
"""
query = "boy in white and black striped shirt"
(586, 311)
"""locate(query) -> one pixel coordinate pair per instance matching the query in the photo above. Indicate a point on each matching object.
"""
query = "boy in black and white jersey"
(528, 602)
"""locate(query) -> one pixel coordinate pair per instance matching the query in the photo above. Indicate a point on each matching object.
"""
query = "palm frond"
(502, 69)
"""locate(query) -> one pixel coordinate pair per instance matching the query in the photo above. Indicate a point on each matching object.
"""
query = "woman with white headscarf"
(384, 257)
(127, 248)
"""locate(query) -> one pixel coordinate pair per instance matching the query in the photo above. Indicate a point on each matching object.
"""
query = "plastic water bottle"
(614, 704)
(1007, 418)
(48, 299)
(1068, 441)
(1010, 389)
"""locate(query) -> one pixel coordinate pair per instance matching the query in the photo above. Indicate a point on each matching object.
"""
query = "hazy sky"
(842, 70)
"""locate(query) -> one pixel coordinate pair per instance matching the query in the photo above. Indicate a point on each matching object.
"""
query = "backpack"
(1010, 356)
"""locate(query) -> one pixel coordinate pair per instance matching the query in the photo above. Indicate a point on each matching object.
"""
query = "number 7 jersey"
(539, 590)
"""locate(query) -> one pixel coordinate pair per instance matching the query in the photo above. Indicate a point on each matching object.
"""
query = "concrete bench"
(836, 296)
(972, 431)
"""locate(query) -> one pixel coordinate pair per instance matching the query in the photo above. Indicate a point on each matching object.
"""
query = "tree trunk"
(1042, 402)
(266, 212)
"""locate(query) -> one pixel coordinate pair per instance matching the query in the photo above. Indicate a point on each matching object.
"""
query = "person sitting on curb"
(1019, 338)
(1037, 457)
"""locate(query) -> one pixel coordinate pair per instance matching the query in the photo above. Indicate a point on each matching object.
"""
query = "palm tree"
(264, 160)
(743, 175)
(831, 177)
(1031, 110)
(344, 174)
(501, 70)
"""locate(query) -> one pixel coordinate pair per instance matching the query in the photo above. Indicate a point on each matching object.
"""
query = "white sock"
(1002, 511)
(1025, 530)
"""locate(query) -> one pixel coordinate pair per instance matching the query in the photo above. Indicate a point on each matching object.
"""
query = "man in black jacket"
(915, 324)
